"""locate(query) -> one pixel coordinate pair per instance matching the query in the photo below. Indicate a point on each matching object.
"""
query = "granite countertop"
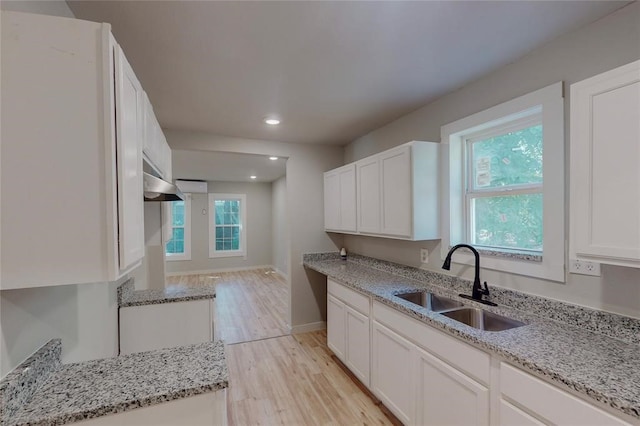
(42, 391)
(129, 296)
(592, 352)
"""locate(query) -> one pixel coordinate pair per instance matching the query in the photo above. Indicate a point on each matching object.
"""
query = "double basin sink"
(473, 317)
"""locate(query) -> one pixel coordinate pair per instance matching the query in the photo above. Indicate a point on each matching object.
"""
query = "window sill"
(514, 264)
(528, 256)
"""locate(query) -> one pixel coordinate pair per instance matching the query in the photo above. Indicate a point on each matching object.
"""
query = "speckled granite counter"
(42, 391)
(592, 352)
(129, 296)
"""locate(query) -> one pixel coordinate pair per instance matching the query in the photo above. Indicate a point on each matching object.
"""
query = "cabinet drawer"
(461, 355)
(352, 298)
(511, 415)
(550, 403)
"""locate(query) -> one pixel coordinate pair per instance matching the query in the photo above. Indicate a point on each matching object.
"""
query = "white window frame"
(533, 118)
(454, 210)
(187, 231)
(242, 252)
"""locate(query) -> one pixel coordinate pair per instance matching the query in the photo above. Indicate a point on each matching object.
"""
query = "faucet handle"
(486, 289)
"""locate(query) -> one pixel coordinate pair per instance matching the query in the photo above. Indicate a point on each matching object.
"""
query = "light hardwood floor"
(275, 377)
(294, 380)
(250, 305)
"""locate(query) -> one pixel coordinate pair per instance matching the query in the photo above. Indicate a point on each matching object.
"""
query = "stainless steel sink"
(430, 301)
(483, 320)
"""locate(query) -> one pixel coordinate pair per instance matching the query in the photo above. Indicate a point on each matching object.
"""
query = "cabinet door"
(148, 145)
(392, 372)
(165, 151)
(357, 344)
(446, 396)
(368, 205)
(348, 198)
(332, 200)
(605, 166)
(129, 133)
(336, 327)
(395, 169)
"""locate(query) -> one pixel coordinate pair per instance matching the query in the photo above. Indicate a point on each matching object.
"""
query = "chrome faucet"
(477, 291)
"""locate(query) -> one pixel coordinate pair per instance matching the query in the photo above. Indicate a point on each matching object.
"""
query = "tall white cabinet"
(71, 154)
(605, 167)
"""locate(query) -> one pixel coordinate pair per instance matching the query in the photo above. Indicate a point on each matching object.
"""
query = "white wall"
(598, 47)
(46, 7)
(280, 237)
(305, 167)
(84, 316)
(258, 229)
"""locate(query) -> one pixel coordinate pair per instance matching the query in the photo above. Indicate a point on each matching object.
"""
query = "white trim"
(281, 273)
(306, 328)
(216, 270)
(242, 252)
(453, 175)
(187, 233)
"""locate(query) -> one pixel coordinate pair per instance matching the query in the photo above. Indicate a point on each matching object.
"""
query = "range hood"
(156, 189)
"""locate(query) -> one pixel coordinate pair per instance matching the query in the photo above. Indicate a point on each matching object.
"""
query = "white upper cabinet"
(605, 167)
(340, 199)
(72, 203)
(397, 193)
(368, 195)
(129, 139)
(155, 147)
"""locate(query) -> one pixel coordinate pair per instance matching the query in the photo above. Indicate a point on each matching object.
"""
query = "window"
(227, 225)
(178, 246)
(503, 200)
(504, 185)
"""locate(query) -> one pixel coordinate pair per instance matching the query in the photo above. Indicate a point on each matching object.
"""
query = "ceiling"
(225, 166)
(332, 71)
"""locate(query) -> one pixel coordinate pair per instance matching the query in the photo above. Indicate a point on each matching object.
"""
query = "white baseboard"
(282, 274)
(312, 326)
(213, 271)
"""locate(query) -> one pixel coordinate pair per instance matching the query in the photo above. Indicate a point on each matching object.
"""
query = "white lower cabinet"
(392, 372)
(336, 328)
(348, 331)
(357, 344)
(165, 325)
(513, 416)
(445, 396)
(544, 403)
(208, 409)
(427, 377)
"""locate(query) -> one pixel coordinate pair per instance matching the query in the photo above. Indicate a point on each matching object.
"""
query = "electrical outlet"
(583, 267)
(424, 255)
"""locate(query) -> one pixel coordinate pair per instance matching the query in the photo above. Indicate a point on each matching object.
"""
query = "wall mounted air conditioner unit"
(192, 186)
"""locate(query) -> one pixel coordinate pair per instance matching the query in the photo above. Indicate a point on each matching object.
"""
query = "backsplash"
(617, 326)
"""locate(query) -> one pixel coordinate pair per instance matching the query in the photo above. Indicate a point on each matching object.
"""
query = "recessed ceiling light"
(273, 158)
(253, 177)
(272, 121)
